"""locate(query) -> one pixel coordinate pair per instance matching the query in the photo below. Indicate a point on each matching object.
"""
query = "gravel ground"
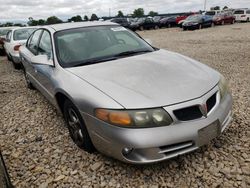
(39, 152)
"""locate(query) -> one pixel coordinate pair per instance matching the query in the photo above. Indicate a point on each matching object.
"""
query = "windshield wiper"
(132, 52)
(93, 61)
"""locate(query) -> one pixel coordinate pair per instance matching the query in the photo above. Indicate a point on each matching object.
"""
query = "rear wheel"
(76, 126)
(141, 28)
(248, 19)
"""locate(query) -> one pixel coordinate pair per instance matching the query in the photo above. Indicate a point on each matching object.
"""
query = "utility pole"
(205, 5)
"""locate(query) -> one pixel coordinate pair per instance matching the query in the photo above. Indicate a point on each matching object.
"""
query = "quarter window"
(45, 47)
(33, 43)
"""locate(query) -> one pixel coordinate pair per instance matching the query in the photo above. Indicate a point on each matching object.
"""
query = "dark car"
(144, 23)
(198, 22)
(223, 18)
(122, 21)
(168, 22)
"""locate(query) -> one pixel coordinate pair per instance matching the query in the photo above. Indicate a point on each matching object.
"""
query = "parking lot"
(39, 152)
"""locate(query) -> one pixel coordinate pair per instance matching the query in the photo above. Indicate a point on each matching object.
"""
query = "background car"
(198, 21)
(14, 39)
(180, 19)
(125, 22)
(242, 15)
(212, 12)
(3, 33)
(143, 23)
(168, 22)
(223, 18)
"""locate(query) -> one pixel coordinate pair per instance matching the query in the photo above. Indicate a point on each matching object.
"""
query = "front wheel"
(76, 126)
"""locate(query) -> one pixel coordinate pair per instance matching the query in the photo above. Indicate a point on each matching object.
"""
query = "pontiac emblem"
(203, 109)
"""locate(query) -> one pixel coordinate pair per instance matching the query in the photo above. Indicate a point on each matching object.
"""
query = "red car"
(182, 17)
(223, 18)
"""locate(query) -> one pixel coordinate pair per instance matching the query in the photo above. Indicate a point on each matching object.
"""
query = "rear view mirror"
(149, 41)
(42, 60)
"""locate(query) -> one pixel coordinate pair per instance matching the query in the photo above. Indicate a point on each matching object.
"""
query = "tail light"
(16, 48)
(243, 16)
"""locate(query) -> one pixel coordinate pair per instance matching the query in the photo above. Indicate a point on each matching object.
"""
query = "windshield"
(4, 32)
(239, 12)
(23, 34)
(90, 45)
(194, 18)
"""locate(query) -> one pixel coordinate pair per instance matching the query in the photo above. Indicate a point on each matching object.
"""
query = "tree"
(225, 8)
(138, 12)
(53, 20)
(41, 22)
(120, 14)
(152, 13)
(77, 18)
(86, 18)
(93, 17)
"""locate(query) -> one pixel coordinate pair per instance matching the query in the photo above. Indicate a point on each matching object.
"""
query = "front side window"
(33, 42)
(88, 45)
(45, 46)
(22, 34)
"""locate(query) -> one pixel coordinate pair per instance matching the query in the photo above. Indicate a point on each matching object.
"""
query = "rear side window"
(248, 11)
(33, 42)
(45, 46)
(8, 36)
(239, 12)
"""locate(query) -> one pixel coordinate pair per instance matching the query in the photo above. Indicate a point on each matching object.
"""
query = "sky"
(41, 9)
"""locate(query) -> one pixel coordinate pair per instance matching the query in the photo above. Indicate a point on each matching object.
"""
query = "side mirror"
(149, 41)
(42, 60)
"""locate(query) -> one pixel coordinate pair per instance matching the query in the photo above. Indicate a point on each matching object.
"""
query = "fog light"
(127, 151)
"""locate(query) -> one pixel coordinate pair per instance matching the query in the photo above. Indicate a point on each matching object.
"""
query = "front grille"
(175, 147)
(189, 113)
(211, 103)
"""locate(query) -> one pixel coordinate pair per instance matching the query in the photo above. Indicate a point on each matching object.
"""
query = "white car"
(3, 33)
(14, 39)
(242, 15)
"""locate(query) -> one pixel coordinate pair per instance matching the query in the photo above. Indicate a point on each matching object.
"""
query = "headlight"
(135, 118)
(223, 85)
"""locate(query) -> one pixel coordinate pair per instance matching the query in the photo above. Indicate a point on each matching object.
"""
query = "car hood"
(149, 80)
(187, 22)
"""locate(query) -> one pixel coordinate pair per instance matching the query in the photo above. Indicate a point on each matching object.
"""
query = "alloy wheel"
(74, 127)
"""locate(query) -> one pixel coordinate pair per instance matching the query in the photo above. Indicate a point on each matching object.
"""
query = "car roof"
(8, 27)
(65, 26)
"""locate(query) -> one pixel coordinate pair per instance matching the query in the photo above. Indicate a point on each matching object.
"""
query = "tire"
(233, 22)
(156, 27)
(76, 126)
(169, 25)
(223, 22)
(212, 24)
(141, 28)
(248, 19)
(200, 26)
(16, 66)
(2, 52)
(8, 57)
(27, 80)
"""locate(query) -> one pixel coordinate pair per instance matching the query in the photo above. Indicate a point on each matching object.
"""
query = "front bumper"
(151, 145)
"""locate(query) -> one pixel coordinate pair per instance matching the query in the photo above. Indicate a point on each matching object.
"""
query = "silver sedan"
(123, 97)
